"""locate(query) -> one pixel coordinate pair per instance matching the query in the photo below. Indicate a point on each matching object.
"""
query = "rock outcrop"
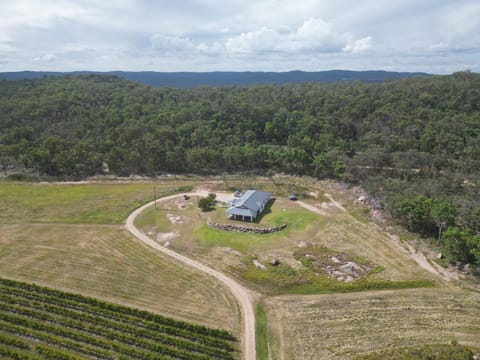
(247, 229)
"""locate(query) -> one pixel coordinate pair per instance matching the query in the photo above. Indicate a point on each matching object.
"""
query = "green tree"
(207, 203)
(456, 245)
(443, 214)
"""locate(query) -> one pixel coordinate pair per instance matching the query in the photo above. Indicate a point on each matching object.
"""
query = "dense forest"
(413, 143)
(226, 78)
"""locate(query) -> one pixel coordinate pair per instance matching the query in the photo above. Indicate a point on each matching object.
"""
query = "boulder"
(351, 268)
(259, 265)
(274, 262)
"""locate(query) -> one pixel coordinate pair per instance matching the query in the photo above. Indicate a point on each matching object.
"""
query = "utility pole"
(154, 197)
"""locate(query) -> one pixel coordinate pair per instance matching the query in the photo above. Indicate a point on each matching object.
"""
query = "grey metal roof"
(250, 203)
(240, 212)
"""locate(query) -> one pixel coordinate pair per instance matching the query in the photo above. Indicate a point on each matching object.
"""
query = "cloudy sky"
(437, 36)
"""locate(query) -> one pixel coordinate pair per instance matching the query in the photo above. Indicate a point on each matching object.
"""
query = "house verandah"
(241, 217)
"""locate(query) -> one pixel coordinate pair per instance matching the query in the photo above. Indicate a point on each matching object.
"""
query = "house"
(249, 205)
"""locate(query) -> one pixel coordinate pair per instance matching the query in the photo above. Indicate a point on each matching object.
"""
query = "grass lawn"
(261, 332)
(301, 224)
(99, 203)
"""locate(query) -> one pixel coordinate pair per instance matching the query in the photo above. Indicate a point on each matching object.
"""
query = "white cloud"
(171, 44)
(211, 50)
(179, 45)
(38, 13)
(314, 35)
(264, 39)
(318, 35)
(45, 57)
(457, 31)
(198, 35)
(359, 45)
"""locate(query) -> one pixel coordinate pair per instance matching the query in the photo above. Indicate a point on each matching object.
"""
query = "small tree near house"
(207, 203)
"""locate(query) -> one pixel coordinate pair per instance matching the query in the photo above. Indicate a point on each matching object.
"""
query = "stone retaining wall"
(246, 229)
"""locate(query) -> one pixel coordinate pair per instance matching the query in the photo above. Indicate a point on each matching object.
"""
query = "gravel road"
(241, 294)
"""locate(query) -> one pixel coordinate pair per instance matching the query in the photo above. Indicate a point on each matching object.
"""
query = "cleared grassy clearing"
(97, 203)
(261, 332)
(301, 223)
(107, 263)
(342, 231)
(342, 326)
(41, 323)
(279, 185)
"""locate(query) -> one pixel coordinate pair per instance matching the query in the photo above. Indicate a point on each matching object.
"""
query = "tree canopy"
(413, 143)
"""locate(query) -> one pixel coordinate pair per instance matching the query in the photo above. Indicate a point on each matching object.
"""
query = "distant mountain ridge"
(229, 78)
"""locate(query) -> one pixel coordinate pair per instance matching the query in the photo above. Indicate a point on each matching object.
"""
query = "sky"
(435, 36)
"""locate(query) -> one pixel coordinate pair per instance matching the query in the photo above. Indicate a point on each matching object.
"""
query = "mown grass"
(283, 279)
(261, 332)
(244, 242)
(98, 203)
(278, 212)
(106, 262)
(453, 351)
(297, 220)
(154, 220)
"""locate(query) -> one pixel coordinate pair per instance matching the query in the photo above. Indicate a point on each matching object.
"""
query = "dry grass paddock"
(340, 326)
(49, 235)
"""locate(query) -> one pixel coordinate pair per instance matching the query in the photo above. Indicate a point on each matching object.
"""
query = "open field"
(336, 326)
(344, 233)
(69, 237)
(108, 263)
(41, 323)
(343, 325)
(49, 235)
(96, 203)
(452, 351)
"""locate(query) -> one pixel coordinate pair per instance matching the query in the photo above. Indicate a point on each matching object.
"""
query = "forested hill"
(414, 143)
(225, 78)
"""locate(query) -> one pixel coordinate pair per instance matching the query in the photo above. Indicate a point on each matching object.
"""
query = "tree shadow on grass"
(267, 210)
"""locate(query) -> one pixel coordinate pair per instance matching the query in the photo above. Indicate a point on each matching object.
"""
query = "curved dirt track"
(419, 257)
(241, 294)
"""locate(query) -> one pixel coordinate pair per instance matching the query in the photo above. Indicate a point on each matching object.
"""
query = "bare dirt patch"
(335, 203)
(166, 238)
(175, 219)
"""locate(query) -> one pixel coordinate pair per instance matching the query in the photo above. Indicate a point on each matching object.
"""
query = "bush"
(207, 203)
